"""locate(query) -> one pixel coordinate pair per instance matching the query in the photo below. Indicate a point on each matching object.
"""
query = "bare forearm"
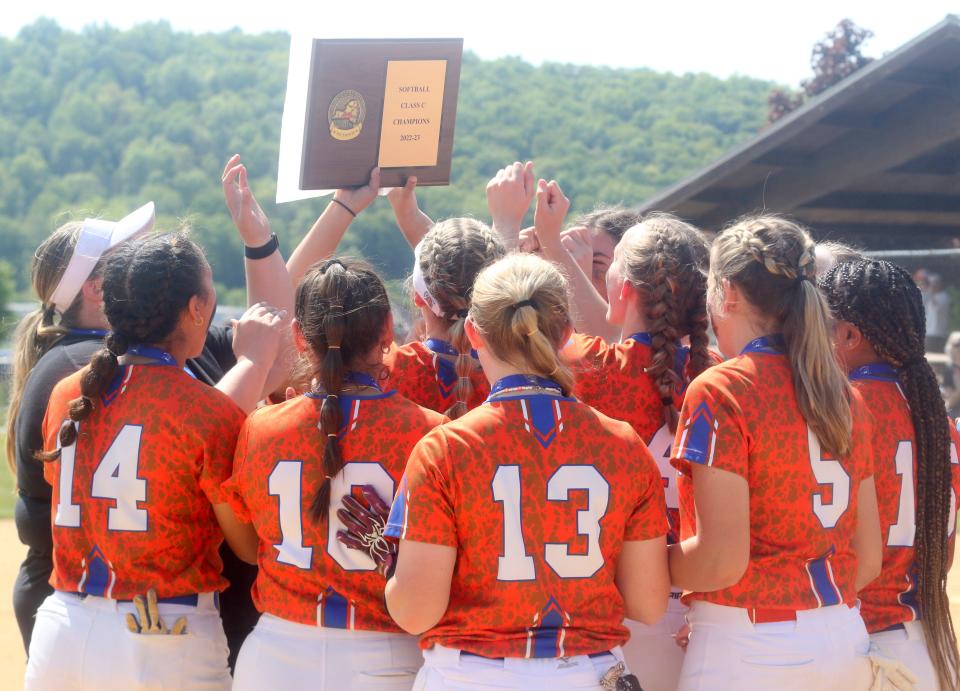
(414, 608)
(589, 308)
(698, 567)
(244, 383)
(413, 224)
(269, 282)
(320, 242)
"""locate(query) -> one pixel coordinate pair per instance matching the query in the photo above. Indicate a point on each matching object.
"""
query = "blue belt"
(187, 600)
(464, 653)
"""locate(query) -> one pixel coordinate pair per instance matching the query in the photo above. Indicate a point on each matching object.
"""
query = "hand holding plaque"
(386, 103)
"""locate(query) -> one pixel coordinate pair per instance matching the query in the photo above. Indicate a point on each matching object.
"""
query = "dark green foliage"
(98, 122)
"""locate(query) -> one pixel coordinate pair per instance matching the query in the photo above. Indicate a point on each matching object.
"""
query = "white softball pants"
(84, 644)
(823, 649)
(652, 652)
(285, 655)
(910, 647)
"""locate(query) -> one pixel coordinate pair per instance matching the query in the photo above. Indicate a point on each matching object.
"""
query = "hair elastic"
(349, 210)
(333, 347)
(463, 314)
(525, 303)
(331, 435)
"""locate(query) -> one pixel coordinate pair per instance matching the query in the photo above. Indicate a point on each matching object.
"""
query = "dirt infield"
(11, 648)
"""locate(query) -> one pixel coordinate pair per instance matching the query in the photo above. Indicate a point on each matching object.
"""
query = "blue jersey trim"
(875, 371)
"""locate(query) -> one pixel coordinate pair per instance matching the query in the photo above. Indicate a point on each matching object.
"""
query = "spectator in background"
(936, 302)
(951, 375)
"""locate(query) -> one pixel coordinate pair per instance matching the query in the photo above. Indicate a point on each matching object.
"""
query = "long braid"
(882, 300)
(146, 286)
(666, 260)
(342, 310)
(451, 256)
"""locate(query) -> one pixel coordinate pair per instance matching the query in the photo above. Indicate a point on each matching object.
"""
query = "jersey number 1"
(114, 479)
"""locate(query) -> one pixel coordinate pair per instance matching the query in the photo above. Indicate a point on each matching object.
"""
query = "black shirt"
(70, 354)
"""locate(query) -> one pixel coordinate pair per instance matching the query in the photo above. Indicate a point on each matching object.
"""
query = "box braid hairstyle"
(882, 300)
(771, 260)
(452, 253)
(342, 309)
(520, 306)
(665, 259)
(146, 286)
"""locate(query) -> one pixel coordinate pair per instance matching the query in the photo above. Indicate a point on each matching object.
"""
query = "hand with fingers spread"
(147, 620)
(357, 199)
(509, 194)
(258, 333)
(578, 243)
(550, 213)
(248, 217)
(365, 525)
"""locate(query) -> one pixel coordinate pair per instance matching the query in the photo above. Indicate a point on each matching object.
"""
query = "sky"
(769, 40)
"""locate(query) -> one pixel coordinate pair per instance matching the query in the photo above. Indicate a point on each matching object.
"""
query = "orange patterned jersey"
(132, 497)
(891, 599)
(612, 377)
(537, 493)
(429, 378)
(305, 574)
(741, 416)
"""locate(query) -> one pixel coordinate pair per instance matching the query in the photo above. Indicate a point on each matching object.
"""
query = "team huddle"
(559, 480)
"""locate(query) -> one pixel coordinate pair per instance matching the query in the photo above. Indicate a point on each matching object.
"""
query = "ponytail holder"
(333, 347)
(334, 436)
(801, 277)
(462, 314)
(330, 262)
(332, 395)
(524, 303)
(667, 400)
(532, 331)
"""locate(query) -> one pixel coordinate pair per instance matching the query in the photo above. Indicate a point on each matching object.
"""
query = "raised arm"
(326, 233)
(413, 223)
(267, 278)
(257, 340)
(509, 194)
(589, 308)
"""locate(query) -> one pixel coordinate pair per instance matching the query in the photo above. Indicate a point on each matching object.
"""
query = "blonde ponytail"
(520, 306)
(772, 260)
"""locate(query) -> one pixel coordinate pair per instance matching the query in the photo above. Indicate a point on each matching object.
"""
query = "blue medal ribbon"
(771, 345)
(440, 346)
(360, 379)
(525, 381)
(156, 355)
(879, 371)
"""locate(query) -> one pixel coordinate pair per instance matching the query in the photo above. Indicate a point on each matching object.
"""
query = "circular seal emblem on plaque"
(345, 115)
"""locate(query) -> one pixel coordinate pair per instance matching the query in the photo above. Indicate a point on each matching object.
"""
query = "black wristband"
(263, 251)
(349, 210)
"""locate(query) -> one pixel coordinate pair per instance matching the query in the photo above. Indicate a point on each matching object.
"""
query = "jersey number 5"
(515, 564)
(828, 471)
(114, 479)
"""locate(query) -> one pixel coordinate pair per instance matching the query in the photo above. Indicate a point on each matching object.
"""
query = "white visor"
(420, 285)
(96, 237)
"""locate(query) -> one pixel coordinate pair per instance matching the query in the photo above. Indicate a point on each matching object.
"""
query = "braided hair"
(452, 253)
(771, 260)
(665, 259)
(342, 310)
(884, 303)
(147, 284)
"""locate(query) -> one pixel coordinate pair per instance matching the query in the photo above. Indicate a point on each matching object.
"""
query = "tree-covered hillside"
(97, 122)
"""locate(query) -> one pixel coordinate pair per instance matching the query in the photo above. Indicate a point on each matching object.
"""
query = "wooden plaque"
(385, 102)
